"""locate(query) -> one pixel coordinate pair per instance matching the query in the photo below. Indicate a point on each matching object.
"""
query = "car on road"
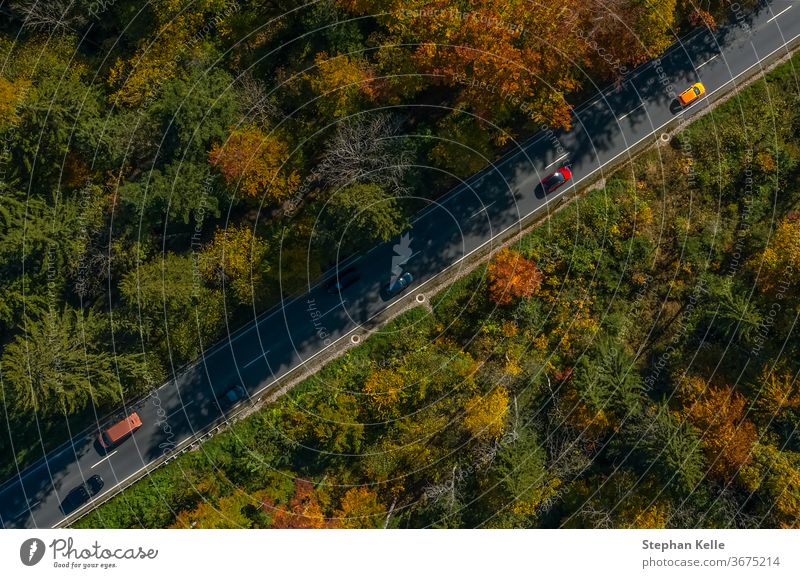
(691, 94)
(554, 180)
(400, 284)
(232, 396)
(342, 280)
(77, 497)
(119, 432)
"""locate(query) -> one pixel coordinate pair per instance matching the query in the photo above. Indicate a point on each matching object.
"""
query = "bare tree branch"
(366, 150)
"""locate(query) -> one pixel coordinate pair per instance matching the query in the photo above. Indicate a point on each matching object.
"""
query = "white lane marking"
(631, 111)
(550, 199)
(482, 210)
(707, 61)
(558, 160)
(25, 511)
(259, 358)
(104, 459)
(184, 406)
(334, 308)
(778, 14)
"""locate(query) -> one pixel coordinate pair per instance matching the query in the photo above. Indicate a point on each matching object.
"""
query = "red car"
(551, 182)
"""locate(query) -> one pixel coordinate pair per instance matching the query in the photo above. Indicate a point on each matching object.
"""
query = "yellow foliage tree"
(779, 390)
(253, 162)
(11, 96)
(226, 514)
(486, 415)
(777, 475)
(781, 259)
(728, 437)
(235, 257)
(384, 387)
(342, 84)
(360, 508)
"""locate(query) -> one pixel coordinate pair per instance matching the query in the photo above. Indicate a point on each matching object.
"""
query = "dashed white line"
(104, 459)
(699, 66)
(181, 408)
(778, 14)
(482, 210)
(260, 357)
(25, 511)
(558, 160)
(631, 111)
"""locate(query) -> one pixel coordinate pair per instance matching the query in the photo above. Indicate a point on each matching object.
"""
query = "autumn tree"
(728, 437)
(620, 34)
(499, 55)
(778, 389)
(342, 84)
(302, 511)
(384, 388)
(775, 476)
(360, 508)
(780, 260)
(12, 94)
(225, 513)
(253, 163)
(236, 257)
(511, 276)
(486, 414)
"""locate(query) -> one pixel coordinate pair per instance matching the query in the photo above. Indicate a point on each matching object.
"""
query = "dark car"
(551, 182)
(77, 497)
(400, 284)
(231, 396)
(342, 280)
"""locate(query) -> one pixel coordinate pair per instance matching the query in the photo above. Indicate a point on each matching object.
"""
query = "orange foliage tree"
(512, 276)
(728, 437)
(253, 162)
(303, 510)
(498, 54)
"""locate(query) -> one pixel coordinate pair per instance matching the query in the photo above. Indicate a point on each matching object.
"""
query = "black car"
(400, 284)
(77, 497)
(231, 396)
(342, 280)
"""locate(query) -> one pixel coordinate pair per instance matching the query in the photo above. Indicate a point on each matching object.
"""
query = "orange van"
(120, 431)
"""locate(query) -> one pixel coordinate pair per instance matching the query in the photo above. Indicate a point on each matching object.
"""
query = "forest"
(167, 170)
(631, 363)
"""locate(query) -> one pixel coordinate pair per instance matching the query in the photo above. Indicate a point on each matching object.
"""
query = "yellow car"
(692, 93)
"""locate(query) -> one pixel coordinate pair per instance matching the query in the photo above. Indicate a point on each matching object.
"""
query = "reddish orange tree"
(512, 276)
(303, 510)
(253, 162)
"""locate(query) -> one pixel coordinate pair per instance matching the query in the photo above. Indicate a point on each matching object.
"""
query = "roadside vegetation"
(630, 363)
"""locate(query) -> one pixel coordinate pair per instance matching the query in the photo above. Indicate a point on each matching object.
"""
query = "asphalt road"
(475, 214)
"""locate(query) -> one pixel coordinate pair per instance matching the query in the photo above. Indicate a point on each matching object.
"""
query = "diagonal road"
(474, 216)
